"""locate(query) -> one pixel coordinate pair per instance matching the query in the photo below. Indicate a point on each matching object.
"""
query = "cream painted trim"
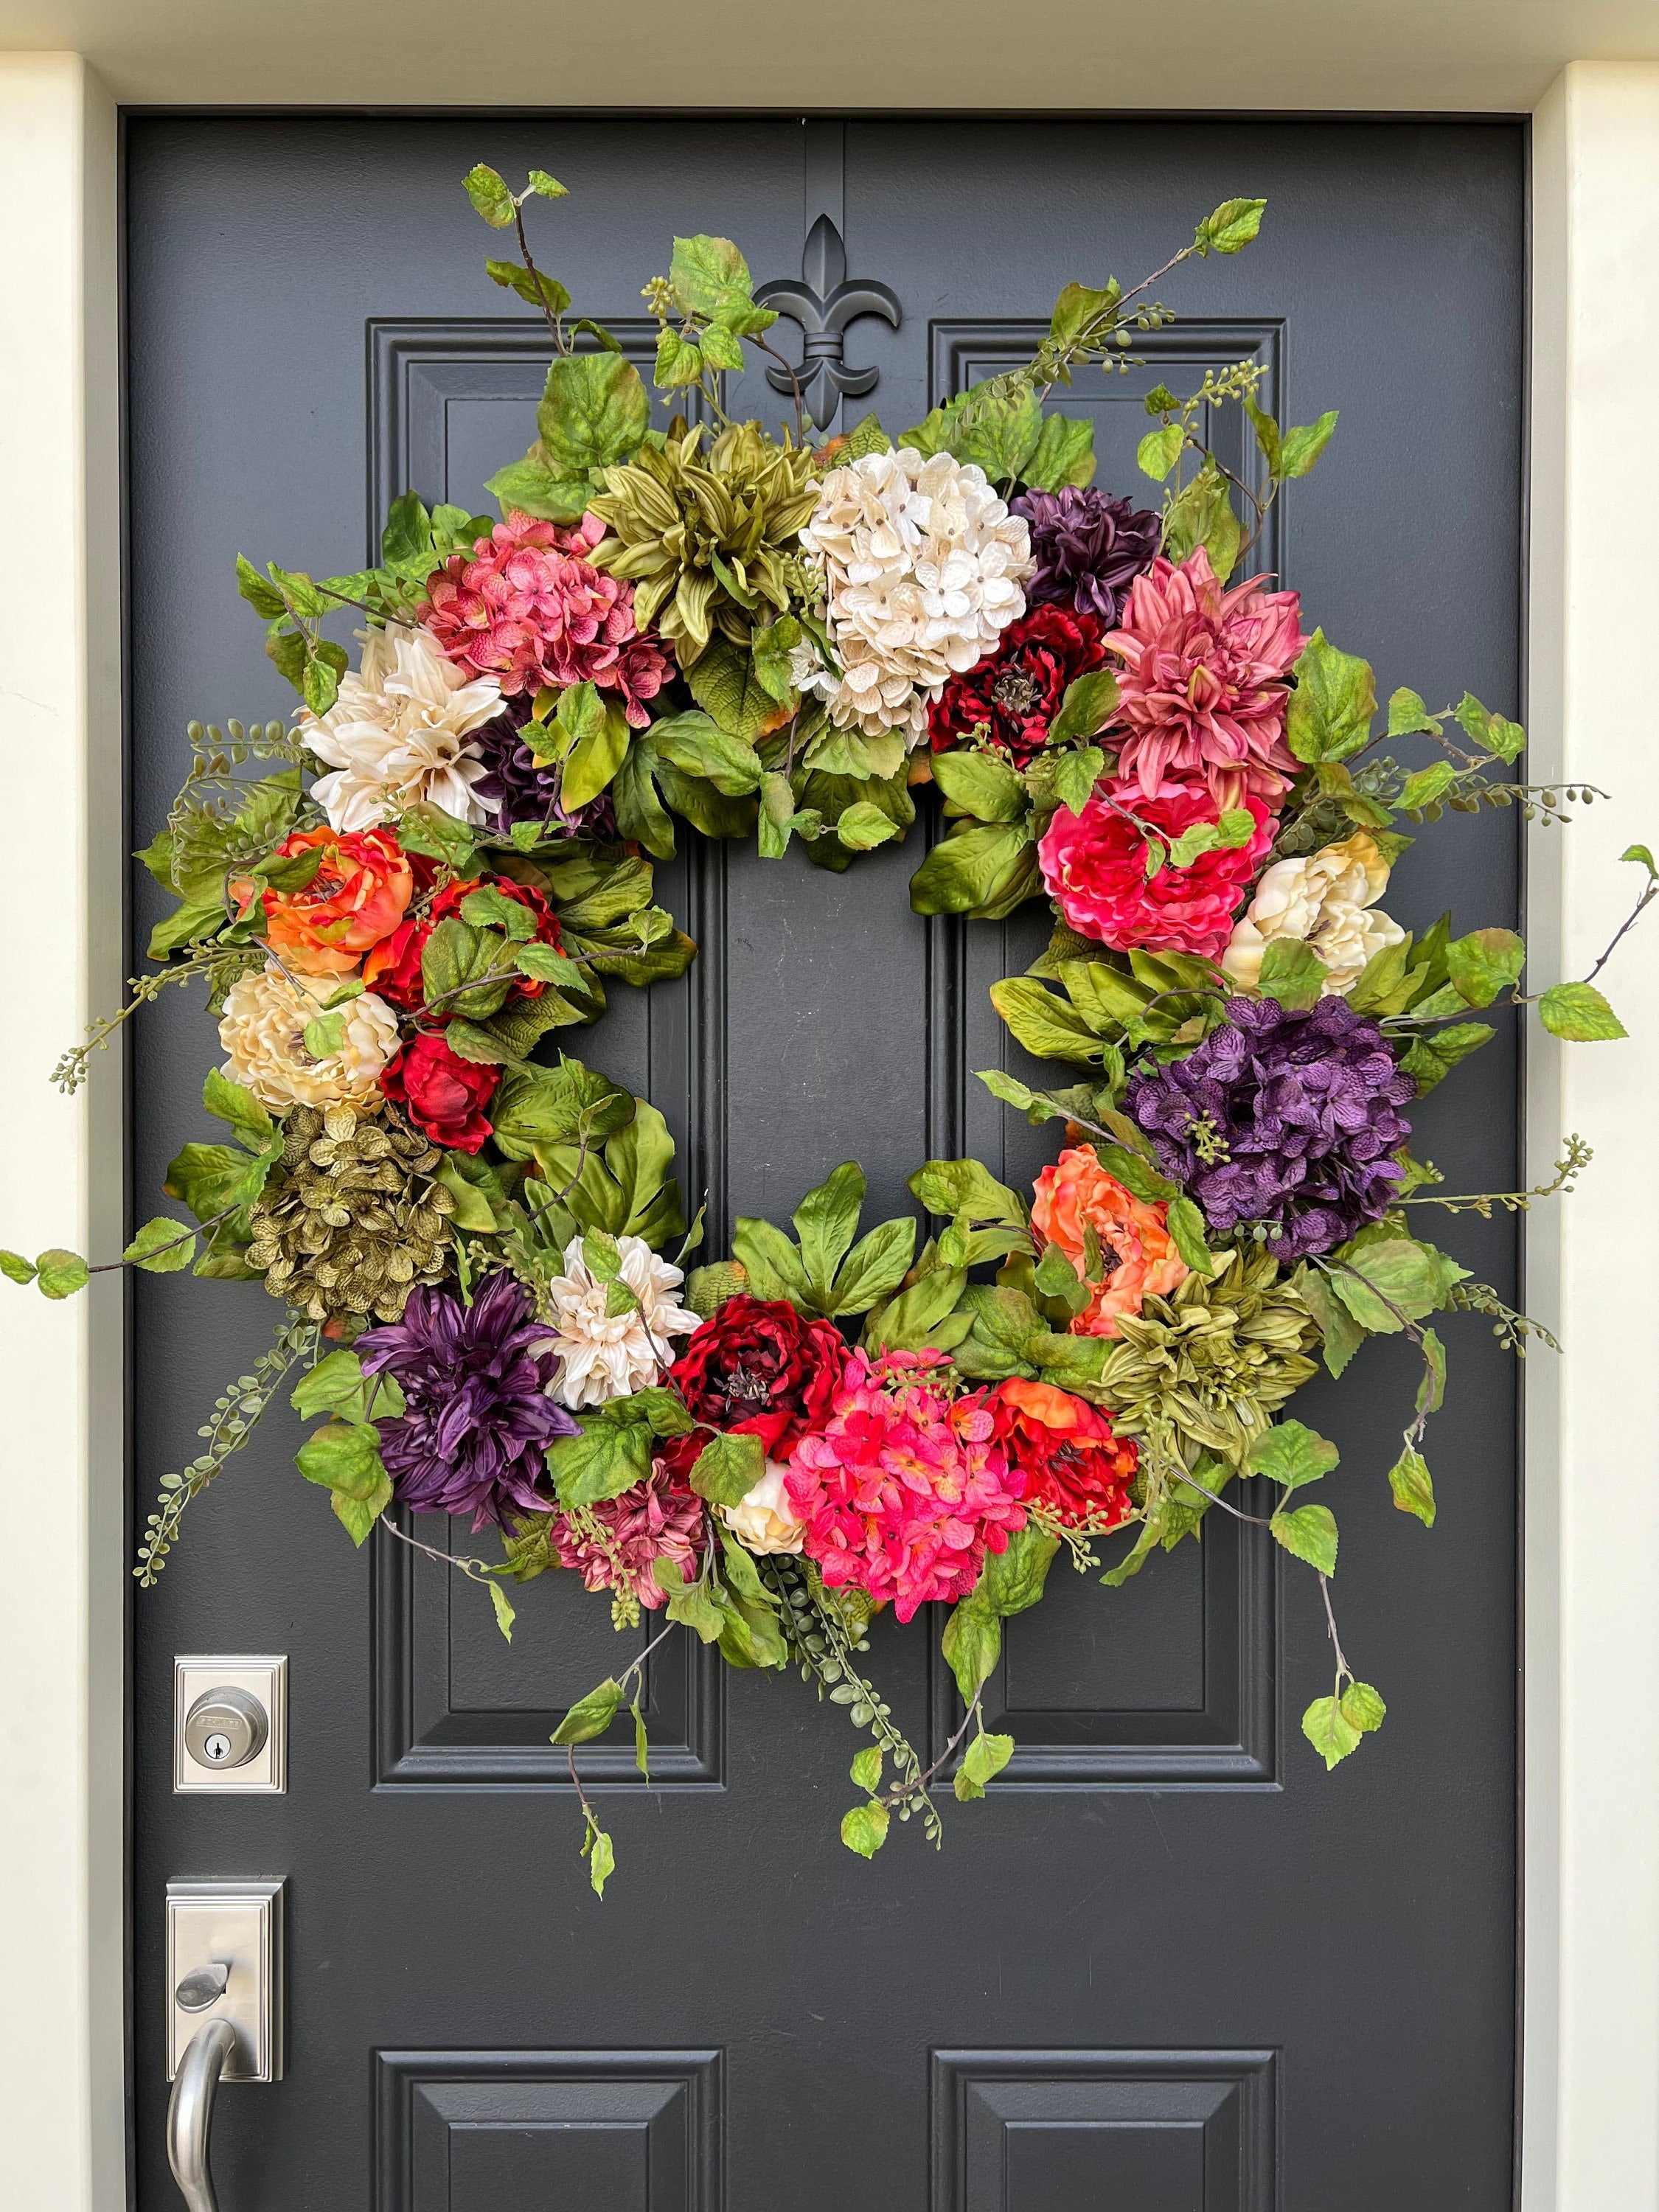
(1591, 2104)
(62, 1641)
(1591, 2018)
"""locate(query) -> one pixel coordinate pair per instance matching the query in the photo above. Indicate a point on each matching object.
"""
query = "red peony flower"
(1017, 690)
(356, 897)
(1202, 693)
(393, 967)
(1094, 865)
(757, 1366)
(1075, 1468)
(442, 1093)
(529, 609)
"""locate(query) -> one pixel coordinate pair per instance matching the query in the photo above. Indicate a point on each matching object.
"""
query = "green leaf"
(1076, 776)
(1310, 1533)
(1640, 853)
(865, 1770)
(488, 191)
(1493, 731)
(728, 1468)
(864, 1829)
(590, 1716)
(1327, 1728)
(1292, 1454)
(1396, 1276)
(868, 437)
(1428, 784)
(1065, 453)
(539, 1107)
(1579, 1013)
(1304, 446)
(549, 188)
(972, 1645)
(504, 1612)
(596, 756)
(358, 1515)
(1431, 1058)
(533, 488)
(987, 1756)
(1088, 705)
(1187, 1229)
(986, 871)
(1047, 1025)
(689, 1603)
(1407, 713)
(873, 1268)
(60, 1273)
(1012, 1580)
(1330, 711)
(15, 1267)
(595, 413)
(1362, 1708)
(1292, 972)
(1230, 229)
(983, 786)
(227, 1101)
(771, 1262)
(910, 1321)
(1078, 309)
(826, 1221)
(335, 1382)
(601, 1858)
(1484, 963)
(601, 1462)
(343, 1457)
(1266, 435)
(952, 1187)
(161, 1247)
(530, 284)
(709, 273)
(1202, 513)
(1413, 1485)
(861, 826)
(1160, 450)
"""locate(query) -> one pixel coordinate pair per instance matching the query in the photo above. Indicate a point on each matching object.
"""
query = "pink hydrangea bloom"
(658, 1519)
(1094, 865)
(1202, 690)
(905, 1487)
(530, 609)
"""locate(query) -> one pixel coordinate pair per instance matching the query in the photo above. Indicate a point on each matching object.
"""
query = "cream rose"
(262, 1031)
(760, 1520)
(1328, 901)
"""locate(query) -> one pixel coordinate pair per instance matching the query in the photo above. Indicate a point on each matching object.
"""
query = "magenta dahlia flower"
(659, 1518)
(1202, 690)
(1094, 865)
(531, 609)
(905, 1488)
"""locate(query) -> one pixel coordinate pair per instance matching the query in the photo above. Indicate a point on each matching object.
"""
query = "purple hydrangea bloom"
(477, 1416)
(518, 788)
(1089, 548)
(1283, 1118)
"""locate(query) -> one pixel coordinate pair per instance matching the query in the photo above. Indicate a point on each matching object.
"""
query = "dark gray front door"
(1169, 1966)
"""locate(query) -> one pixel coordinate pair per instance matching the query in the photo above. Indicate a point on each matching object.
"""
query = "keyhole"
(218, 1748)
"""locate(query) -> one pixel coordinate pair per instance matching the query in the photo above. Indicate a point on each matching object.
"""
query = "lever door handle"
(190, 2113)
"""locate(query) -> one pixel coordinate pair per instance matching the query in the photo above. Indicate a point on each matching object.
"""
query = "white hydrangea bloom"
(762, 1520)
(262, 1031)
(1328, 901)
(922, 565)
(606, 1355)
(397, 733)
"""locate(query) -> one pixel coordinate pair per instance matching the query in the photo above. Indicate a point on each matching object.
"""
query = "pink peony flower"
(530, 609)
(1202, 690)
(905, 1487)
(658, 1519)
(1095, 867)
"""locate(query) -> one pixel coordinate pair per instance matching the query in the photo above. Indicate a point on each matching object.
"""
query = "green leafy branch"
(826, 1273)
(704, 308)
(503, 209)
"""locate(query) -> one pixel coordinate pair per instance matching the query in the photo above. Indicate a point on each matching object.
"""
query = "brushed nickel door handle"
(190, 2111)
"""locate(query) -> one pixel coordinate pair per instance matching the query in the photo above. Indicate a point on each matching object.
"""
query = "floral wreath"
(478, 1240)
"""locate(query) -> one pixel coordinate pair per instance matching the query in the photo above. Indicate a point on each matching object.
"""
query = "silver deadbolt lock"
(226, 1727)
(230, 1723)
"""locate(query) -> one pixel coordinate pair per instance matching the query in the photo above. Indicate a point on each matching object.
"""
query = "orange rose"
(1136, 1250)
(356, 897)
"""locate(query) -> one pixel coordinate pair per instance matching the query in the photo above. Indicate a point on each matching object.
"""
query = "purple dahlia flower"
(1282, 1118)
(477, 1415)
(518, 788)
(1089, 548)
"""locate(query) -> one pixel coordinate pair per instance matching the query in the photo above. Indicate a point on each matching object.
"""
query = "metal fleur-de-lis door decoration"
(823, 303)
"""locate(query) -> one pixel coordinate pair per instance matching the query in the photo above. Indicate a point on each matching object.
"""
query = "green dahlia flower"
(707, 541)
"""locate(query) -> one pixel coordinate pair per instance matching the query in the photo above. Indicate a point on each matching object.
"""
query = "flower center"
(1015, 692)
(745, 1386)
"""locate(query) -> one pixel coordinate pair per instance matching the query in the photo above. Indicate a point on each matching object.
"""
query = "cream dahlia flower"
(397, 733)
(762, 1520)
(922, 565)
(262, 1031)
(1328, 901)
(606, 1355)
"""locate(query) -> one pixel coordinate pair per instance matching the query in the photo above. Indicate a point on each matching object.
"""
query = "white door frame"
(1590, 2038)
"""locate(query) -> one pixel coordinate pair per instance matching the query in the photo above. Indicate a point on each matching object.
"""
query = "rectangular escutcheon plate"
(238, 1924)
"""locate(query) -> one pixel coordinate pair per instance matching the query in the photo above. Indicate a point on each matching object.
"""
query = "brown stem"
(917, 1786)
(1343, 1666)
(523, 247)
(794, 386)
